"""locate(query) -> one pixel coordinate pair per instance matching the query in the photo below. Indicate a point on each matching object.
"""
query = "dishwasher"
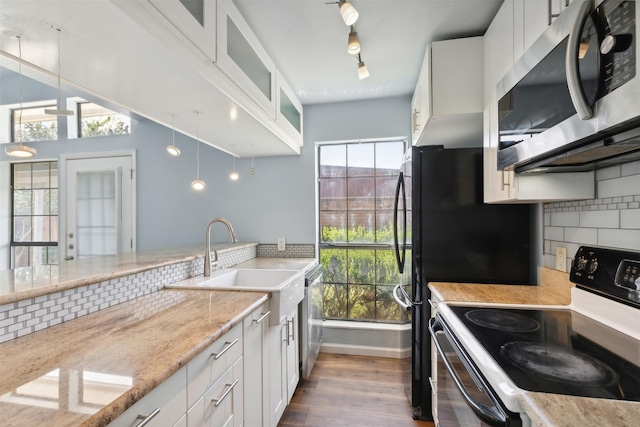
(310, 320)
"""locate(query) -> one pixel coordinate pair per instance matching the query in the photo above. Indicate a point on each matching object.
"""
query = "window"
(357, 183)
(94, 120)
(34, 237)
(32, 124)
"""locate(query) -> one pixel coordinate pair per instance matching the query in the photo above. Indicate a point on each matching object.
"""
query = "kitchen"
(564, 225)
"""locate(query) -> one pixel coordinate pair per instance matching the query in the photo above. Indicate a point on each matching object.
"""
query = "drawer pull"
(218, 400)
(146, 418)
(227, 346)
(262, 317)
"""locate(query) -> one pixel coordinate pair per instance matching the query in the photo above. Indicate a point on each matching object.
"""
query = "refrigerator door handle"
(400, 255)
(403, 300)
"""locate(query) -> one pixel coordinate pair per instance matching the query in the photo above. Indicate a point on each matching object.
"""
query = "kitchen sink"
(286, 286)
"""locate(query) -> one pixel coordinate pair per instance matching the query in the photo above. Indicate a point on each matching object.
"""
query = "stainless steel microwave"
(572, 102)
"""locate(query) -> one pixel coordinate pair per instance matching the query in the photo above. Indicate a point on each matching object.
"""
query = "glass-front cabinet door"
(289, 109)
(193, 21)
(243, 59)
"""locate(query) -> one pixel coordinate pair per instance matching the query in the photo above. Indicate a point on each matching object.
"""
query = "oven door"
(464, 398)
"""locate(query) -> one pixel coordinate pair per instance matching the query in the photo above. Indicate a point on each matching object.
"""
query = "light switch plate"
(281, 244)
(561, 259)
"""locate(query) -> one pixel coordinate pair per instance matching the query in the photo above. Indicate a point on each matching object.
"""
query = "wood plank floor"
(351, 391)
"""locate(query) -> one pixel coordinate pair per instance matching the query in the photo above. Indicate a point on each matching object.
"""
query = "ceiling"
(307, 40)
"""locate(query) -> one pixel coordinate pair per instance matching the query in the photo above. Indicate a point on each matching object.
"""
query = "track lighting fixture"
(363, 72)
(348, 12)
(233, 176)
(19, 150)
(173, 149)
(353, 45)
(59, 111)
(197, 184)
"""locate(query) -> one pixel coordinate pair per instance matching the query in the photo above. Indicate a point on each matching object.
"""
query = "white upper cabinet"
(194, 21)
(447, 103)
(243, 59)
(505, 41)
(289, 110)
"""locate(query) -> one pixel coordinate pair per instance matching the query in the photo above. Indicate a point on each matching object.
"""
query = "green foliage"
(108, 125)
(358, 234)
(358, 284)
(37, 131)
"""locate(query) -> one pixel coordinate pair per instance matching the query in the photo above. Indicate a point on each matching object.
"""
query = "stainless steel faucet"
(207, 242)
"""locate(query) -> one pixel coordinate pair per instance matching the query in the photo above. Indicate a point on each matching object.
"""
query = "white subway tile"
(41, 312)
(7, 307)
(630, 218)
(24, 317)
(565, 219)
(41, 298)
(554, 233)
(55, 321)
(40, 326)
(624, 186)
(6, 322)
(24, 303)
(600, 219)
(23, 332)
(17, 312)
(7, 337)
(623, 239)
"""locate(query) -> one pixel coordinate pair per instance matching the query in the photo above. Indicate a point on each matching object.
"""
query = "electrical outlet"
(281, 244)
(561, 259)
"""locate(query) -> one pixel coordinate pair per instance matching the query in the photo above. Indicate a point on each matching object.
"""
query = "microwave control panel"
(617, 25)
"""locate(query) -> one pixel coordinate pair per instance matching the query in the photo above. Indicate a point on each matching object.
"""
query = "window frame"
(376, 247)
(32, 243)
(6, 118)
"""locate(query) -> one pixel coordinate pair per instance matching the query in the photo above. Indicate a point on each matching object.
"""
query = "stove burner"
(503, 320)
(559, 363)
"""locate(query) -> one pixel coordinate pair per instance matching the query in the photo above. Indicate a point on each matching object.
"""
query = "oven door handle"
(494, 416)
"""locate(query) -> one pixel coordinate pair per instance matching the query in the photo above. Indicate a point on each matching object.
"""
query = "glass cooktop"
(558, 351)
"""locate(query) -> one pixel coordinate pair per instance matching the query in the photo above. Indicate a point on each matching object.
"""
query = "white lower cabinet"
(256, 367)
(245, 378)
(284, 366)
(222, 405)
(163, 406)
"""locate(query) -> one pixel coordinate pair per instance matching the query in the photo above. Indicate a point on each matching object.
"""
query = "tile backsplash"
(612, 219)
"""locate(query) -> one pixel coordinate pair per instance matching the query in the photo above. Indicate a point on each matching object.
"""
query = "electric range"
(493, 353)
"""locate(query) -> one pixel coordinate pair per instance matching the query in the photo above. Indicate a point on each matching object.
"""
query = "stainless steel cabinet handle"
(68, 258)
(227, 346)
(287, 333)
(147, 418)
(291, 332)
(262, 317)
(218, 400)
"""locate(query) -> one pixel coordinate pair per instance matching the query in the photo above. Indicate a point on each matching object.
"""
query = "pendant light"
(252, 171)
(197, 184)
(19, 150)
(59, 111)
(353, 44)
(173, 149)
(348, 12)
(363, 72)
(233, 176)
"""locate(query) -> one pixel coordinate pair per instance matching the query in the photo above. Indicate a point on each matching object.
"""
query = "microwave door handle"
(493, 416)
(576, 92)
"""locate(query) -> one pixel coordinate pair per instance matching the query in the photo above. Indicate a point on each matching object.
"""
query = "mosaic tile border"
(34, 314)
(292, 251)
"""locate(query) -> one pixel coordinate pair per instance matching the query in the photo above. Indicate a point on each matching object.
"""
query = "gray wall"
(278, 201)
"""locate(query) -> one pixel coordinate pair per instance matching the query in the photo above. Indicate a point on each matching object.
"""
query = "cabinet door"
(293, 355)
(498, 59)
(194, 21)
(224, 401)
(256, 367)
(277, 372)
(243, 59)
(531, 18)
(289, 109)
(421, 101)
(163, 406)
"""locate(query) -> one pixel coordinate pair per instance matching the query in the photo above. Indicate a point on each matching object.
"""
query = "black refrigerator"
(446, 233)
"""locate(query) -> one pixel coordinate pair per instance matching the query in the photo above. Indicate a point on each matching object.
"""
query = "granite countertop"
(135, 345)
(30, 282)
(546, 409)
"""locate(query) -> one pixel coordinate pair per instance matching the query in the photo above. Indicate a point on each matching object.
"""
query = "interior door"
(99, 207)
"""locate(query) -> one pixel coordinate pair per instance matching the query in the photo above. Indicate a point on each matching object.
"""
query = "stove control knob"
(579, 263)
(592, 266)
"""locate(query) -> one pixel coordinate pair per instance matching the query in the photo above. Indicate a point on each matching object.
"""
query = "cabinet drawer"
(222, 404)
(206, 368)
(168, 401)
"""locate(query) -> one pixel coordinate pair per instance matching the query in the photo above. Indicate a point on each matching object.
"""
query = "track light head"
(353, 45)
(348, 12)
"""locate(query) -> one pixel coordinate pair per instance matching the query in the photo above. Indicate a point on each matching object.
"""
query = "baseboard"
(362, 350)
